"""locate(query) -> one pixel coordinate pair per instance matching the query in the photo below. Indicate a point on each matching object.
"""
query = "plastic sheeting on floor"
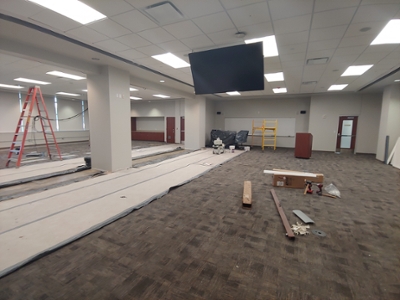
(37, 224)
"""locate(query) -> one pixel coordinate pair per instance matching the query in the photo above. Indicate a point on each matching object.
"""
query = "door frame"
(353, 132)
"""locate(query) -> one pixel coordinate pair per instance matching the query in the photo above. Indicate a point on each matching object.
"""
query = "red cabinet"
(303, 146)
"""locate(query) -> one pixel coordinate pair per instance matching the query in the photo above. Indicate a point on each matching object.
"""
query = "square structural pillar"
(195, 123)
(110, 117)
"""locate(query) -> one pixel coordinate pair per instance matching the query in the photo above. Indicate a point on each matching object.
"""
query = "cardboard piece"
(290, 180)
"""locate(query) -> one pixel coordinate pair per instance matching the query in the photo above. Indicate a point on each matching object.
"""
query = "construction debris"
(289, 232)
(301, 229)
(246, 202)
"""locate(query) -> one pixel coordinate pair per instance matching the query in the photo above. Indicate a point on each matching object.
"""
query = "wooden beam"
(289, 232)
(247, 199)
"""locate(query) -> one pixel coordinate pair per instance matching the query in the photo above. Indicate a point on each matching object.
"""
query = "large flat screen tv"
(237, 68)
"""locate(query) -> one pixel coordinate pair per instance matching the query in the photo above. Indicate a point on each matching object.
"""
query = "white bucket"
(232, 149)
(247, 148)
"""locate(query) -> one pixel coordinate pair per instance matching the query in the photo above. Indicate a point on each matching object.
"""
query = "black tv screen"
(237, 68)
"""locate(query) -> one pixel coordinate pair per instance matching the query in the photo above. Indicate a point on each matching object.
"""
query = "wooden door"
(182, 129)
(347, 131)
(171, 130)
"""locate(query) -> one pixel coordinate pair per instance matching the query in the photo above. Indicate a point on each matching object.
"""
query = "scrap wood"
(301, 229)
(247, 199)
(289, 232)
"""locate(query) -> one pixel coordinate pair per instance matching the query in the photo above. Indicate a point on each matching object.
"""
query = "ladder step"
(15, 151)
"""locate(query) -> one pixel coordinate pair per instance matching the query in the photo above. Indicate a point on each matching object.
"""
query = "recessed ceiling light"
(356, 70)
(337, 87)
(389, 34)
(271, 77)
(269, 45)
(31, 81)
(162, 80)
(135, 98)
(84, 91)
(240, 34)
(9, 86)
(161, 96)
(72, 9)
(67, 94)
(132, 89)
(171, 60)
(280, 90)
(397, 80)
(235, 93)
(65, 75)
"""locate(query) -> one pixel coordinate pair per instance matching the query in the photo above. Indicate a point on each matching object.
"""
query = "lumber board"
(289, 232)
(247, 197)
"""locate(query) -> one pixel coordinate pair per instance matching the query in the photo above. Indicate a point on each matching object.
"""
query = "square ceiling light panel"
(65, 75)
(337, 87)
(164, 13)
(280, 90)
(271, 77)
(270, 48)
(356, 70)
(171, 60)
(389, 34)
(32, 81)
(73, 9)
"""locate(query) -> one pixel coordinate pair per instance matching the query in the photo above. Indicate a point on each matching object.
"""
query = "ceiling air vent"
(317, 61)
(163, 13)
(308, 82)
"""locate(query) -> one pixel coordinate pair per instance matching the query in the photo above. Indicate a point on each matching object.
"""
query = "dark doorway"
(182, 129)
(171, 130)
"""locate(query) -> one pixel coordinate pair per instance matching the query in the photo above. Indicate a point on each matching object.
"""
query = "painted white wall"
(9, 112)
(325, 111)
(67, 109)
(390, 120)
(150, 124)
(264, 108)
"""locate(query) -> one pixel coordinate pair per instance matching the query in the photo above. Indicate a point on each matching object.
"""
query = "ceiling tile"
(367, 2)
(183, 29)
(225, 37)
(214, 23)
(290, 8)
(293, 63)
(295, 24)
(370, 58)
(131, 54)
(297, 48)
(376, 13)
(291, 38)
(313, 73)
(292, 57)
(55, 20)
(133, 40)
(151, 50)
(250, 14)
(194, 8)
(174, 46)
(134, 20)
(109, 8)
(355, 29)
(112, 45)
(200, 42)
(322, 5)
(156, 35)
(257, 30)
(109, 28)
(86, 34)
(321, 53)
(357, 50)
(328, 44)
(229, 4)
(7, 59)
(24, 8)
(321, 34)
(357, 40)
(333, 17)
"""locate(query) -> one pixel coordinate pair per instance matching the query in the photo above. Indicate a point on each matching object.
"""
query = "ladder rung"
(15, 151)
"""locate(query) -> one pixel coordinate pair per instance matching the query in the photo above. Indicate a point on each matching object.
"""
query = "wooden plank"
(247, 199)
(289, 232)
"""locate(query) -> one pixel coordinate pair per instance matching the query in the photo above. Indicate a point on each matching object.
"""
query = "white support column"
(390, 121)
(195, 119)
(109, 108)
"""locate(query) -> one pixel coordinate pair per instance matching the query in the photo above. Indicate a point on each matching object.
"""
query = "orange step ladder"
(34, 98)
